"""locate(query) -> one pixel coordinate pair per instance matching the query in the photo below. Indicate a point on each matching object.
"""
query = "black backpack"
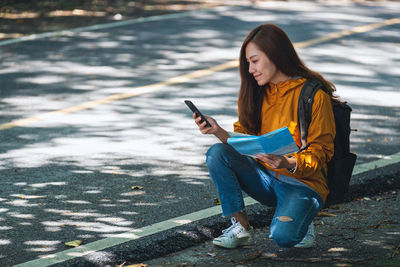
(340, 168)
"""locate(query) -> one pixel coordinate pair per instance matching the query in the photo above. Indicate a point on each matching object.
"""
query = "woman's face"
(262, 69)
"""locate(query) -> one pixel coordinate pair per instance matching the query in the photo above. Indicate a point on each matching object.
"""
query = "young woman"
(272, 76)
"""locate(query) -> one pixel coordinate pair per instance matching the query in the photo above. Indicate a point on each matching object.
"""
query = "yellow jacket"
(279, 109)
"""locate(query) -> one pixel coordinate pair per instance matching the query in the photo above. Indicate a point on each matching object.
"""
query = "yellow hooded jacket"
(279, 110)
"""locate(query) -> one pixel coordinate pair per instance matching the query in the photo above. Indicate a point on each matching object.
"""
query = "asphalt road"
(69, 175)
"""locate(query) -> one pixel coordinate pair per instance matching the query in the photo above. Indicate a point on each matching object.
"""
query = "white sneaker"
(308, 240)
(234, 236)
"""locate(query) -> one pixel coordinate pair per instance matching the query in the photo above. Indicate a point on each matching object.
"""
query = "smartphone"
(197, 111)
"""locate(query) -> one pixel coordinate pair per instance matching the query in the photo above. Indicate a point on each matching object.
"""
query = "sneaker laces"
(235, 228)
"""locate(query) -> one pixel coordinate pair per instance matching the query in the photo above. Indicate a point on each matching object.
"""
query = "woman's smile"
(256, 76)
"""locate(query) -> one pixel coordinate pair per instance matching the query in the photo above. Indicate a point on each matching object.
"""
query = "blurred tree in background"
(23, 17)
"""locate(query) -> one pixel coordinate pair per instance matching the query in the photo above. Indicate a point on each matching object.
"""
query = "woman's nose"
(251, 68)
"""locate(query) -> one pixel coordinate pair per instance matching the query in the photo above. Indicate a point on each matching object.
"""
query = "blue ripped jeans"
(296, 202)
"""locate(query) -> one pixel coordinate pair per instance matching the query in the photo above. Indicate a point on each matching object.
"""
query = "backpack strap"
(304, 108)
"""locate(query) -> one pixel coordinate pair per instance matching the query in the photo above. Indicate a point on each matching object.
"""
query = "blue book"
(278, 142)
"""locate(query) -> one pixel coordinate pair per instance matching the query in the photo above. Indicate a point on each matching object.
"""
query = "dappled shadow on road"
(377, 132)
(46, 206)
(116, 167)
(110, 170)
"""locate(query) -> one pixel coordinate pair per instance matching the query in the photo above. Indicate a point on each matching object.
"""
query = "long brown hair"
(274, 42)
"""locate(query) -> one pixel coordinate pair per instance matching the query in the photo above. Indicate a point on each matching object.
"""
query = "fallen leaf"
(326, 214)
(337, 249)
(270, 255)
(394, 253)
(136, 187)
(75, 243)
(212, 254)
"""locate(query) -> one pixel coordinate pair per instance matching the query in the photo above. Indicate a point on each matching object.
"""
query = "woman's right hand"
(204, 129)
(215, 129)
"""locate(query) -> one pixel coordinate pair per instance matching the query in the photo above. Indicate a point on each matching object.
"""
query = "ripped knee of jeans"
(282, 231)
(285, 219)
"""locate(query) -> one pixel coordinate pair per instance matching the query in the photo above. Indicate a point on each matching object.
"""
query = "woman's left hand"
(276, 162)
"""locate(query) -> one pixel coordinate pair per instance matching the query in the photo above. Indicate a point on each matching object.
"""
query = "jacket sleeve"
(321, 133)
(238, 128)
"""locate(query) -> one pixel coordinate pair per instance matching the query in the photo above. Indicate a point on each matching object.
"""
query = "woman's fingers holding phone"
(197, 119)
(202, 124)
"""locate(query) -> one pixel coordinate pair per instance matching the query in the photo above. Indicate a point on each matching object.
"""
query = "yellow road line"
(341, 34)
(135, 92)
(187, 77)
